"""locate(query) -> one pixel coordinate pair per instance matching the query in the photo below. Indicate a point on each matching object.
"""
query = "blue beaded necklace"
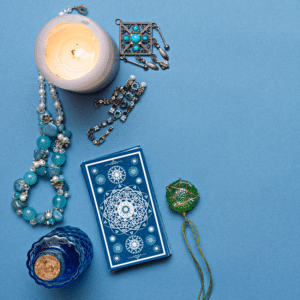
(54, 138)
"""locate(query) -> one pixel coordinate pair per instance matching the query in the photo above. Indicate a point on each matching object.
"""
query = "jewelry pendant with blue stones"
(136, 39)
(54, 139)
(124, 96)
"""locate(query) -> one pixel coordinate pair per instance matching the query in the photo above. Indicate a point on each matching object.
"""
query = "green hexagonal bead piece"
(182, 196)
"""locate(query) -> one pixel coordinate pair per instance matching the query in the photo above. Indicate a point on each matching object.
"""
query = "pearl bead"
(35, 164)
(57, 104)
(53, 91)
(65, 140)
(132, 77)
(61, 13)
(23, 198)
(42, 162)
(60, 118)
(143, 84)
(48, 215)
(42, 92)
(41, 78)
(60, 136)
(42, 106)
(55, 178)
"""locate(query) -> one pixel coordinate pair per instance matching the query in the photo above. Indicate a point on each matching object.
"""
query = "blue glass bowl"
(71, 246)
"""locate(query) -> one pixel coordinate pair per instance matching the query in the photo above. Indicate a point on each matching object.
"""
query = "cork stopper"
(47, 267)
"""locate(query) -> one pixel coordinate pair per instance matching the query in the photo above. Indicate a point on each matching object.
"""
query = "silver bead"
(32, 169)
(65, 139)
(19, 212)
(21, 182)
(60, 192)
(143, 84)
(67, 195)
(48, 214)
(55, 178)
(33, 222)
(42, 162)
(62, 151)
(55, 149)
(23, 198)
(69, 9)
(61, 210)
(132, 77)
(35, 164)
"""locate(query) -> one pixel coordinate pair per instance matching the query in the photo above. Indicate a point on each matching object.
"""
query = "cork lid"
(47, 267)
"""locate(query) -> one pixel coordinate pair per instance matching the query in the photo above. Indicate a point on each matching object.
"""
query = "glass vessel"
(59, 257)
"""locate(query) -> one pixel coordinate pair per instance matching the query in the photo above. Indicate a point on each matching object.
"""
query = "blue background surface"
(224, 116)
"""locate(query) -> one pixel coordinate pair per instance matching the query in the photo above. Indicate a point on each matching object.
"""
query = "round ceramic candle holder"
(59, 257)
(74, 53)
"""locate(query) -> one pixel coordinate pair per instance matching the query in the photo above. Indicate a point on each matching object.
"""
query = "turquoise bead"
(43, 142)
(40, 218)
(67, 133)
(126, 38)
(135, 28)
(44, 113)
(28, 213)
(41, 171)
(135, 38)
(30, 178)
(65, 187)
(57, 215)
(50, 129)
(61, 178)
(41, 124)
(51, 221)
(145, 38)
(59, 201)
(61, 127)
(136, 48)
(18, 204)
(58, 159)
(38, 154)
(17, 195)
(53, 171)
(18, 187)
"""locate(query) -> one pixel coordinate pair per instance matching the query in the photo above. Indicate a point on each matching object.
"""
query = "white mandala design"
(125, 209)
(134, 244)
(133, 171)
(116, 175)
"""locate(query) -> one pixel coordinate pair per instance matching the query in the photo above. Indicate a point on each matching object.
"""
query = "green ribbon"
(206, 295)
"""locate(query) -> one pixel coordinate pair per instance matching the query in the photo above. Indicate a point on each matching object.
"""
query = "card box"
(130, 223)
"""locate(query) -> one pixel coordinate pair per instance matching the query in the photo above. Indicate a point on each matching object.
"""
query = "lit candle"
(74, 53)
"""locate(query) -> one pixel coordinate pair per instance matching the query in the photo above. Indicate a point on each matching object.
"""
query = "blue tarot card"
(129, 219)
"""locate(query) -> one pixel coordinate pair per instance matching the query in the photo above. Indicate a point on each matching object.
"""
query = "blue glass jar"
(59, 257)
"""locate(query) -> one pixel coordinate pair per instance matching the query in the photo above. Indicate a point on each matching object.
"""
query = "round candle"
(74, 53)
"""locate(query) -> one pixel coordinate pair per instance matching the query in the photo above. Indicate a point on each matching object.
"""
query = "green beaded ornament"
(182, 196)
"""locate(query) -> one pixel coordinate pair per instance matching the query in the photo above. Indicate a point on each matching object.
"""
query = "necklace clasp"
(81, 9)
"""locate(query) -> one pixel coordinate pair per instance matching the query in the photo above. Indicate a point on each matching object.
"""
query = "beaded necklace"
(54, 138)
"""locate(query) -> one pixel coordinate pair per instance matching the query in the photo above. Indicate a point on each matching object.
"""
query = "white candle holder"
(74, 53)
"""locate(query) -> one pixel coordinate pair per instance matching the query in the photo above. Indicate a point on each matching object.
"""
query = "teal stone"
(57, 215)
(50, 129)
(135, 28)
(67, 133)
(53, 171)
(135, 38)
(53, 144)
(41, 124)
(43, 142)
(41, 171)
(145, 38)
(30, 178)
(28, 213)
(18, 204)
(51, 221)
(17, 195)
(61, 127)
(38, 154)
(58, 159)
(126, 38)
(61, 178)
(40, 218)
(44, 113)
(136, 48)
(65, 187)
(18, 187)
(59, 201)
